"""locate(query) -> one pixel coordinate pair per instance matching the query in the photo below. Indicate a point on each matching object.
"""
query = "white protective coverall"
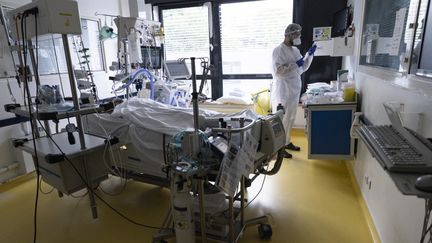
(286, 86)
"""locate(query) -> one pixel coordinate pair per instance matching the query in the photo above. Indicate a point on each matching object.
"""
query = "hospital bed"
(144, 129)
(147, 130)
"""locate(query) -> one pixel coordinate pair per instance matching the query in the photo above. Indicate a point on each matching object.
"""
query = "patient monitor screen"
(151, 56)
(176, 70)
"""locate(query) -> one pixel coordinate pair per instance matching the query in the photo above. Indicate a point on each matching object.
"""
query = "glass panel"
(90, 40)
(422, 52)
(247, 86)
(47, 54)
(386, 38)
(6, 68)
(51, 50)
(186, 33)
(250, 32)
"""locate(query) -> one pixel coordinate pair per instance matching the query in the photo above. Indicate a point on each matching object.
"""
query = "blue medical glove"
(312, 50)
(300, 62)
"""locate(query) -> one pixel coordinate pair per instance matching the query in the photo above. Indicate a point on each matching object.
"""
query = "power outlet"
(368, 182)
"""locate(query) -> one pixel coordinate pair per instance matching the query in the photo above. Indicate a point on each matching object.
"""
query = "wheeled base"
(264, 230)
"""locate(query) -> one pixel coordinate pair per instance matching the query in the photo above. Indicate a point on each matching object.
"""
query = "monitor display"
(340, 22)
(177, 70)
(152, 57)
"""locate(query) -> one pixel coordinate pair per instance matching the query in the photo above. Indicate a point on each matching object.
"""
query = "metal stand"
(73, 90)
(126, 62)
(87, 175)
(165, 232)
(202, 211)
(80, 129)
(236, 216)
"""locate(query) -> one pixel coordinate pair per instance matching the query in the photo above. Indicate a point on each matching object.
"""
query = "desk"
(405, 182)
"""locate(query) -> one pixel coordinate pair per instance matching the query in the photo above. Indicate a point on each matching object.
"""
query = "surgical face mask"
(297, 41)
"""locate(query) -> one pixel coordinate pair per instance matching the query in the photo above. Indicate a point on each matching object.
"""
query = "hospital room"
(294, 121)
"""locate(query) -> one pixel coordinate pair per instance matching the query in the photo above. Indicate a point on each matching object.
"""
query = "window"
(421, 63)
(248, 86)
(187, 35)
(249, 33)
(387, 37)
(7, 68)
(186, 32)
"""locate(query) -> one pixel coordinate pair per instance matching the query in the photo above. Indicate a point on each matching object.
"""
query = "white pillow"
(228, 99)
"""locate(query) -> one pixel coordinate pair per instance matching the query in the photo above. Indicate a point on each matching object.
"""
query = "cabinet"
(328, 130)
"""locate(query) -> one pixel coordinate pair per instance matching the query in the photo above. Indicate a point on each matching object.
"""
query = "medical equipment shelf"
(146, 178)
(53, 115)
(328, 130)
(58, 172)
(74, 165)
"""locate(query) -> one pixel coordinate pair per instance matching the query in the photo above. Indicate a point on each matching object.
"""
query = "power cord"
(33, 125)
(42, 191)
(426, 227)
(259, 192)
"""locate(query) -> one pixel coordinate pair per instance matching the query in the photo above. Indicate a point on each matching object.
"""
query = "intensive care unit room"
(162, 121)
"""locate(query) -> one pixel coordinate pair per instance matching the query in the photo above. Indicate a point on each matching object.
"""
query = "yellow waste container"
(261, 101)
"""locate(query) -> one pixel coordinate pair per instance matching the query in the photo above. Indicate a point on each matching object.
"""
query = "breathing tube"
(147, 74)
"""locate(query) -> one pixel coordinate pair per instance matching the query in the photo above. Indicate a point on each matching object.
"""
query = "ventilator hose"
(277, 165)
(148, 75)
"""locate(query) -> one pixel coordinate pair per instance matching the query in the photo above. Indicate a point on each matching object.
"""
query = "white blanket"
(144, 122)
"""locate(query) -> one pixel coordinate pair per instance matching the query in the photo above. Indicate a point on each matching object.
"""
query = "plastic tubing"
(148, 74)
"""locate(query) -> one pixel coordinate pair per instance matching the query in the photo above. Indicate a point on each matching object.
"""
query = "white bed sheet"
(143, 123)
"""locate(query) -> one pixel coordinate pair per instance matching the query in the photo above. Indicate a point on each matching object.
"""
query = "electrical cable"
(37, 105)
(79, 196)
(33, 126)
(40, 188)
(10, 91)
(426, 227)
(114, 160)
(259, 192)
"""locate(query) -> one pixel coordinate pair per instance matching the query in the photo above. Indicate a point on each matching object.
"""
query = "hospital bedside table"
(328, 130)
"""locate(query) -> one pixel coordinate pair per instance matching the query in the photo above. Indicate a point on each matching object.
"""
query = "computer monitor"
(177, 70)
(151, 57)
(340, 22)
(394, 116)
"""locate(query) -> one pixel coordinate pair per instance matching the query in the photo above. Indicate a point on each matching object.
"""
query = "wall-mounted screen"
(340, 22)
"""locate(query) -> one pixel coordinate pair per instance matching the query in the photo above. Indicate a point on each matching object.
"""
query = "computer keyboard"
(395, 147)
(394, 150)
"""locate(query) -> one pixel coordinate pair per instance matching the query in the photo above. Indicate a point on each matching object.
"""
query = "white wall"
(87, 9)
(398, 218)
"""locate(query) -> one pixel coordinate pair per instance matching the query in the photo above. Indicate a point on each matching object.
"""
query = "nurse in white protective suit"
(288, 65)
